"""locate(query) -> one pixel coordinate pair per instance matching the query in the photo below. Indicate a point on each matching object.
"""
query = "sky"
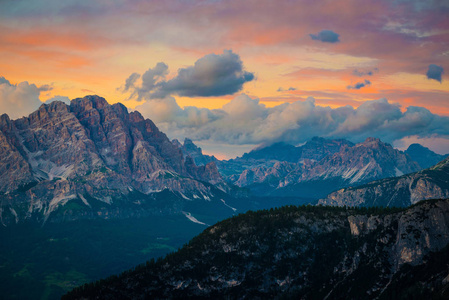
(233, 75)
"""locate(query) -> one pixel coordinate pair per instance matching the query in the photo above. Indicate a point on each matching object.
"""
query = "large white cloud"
(245, 121)
(18, 100)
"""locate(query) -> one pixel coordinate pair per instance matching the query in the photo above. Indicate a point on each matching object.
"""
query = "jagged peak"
(4, 119)
(135, 116)
(188, 141)
(318, 138)
(97, 101)
(57, 105)
(177, 143)
(416, 146)
(88, 102)
(49, 107)
(372, 140)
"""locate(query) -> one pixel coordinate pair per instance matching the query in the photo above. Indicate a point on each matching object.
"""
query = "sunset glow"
(338, 52)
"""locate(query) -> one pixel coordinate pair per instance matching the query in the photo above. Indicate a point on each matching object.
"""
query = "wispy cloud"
(281, 89)
(361, 73)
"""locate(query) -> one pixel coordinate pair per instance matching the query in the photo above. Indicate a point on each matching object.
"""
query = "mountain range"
(316, 168)
(90, 180)
(106, 162)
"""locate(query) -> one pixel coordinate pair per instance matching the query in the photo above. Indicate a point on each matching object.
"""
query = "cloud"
(18, 100)
(245, 121)
(4, 80)
(359, 85)
(326, 36)
(281, 89)
(45, 88)
(211, 75)
(358, 73)
(435, 72)
(64, 99)
(439, 144)
(168, 113)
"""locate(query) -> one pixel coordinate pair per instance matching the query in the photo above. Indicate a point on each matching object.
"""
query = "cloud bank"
(435, 72)
(326, 36)
(211, 75)
(245, 121)
(18, 100)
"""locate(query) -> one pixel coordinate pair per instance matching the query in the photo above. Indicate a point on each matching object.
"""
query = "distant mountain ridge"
(315, 149)
(321, 167)
(425, 157)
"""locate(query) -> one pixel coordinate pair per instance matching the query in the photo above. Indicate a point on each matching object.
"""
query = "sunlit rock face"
(89, 150)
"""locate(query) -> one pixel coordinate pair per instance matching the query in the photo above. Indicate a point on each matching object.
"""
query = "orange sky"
(86, 47)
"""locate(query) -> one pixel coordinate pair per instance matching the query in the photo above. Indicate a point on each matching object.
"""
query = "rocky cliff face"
(301, 253)
(432, 183)
(90, 150)
(14, 168)
(333, 164)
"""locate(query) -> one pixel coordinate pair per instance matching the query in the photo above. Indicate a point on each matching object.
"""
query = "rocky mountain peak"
(177, 143)
(5, 122)
(417, 147)
(97, 101)
(195, 152)
(190, 146)
(56, 106)
(372, 140)
(135, 117)
(423, 155)
(92, 149)
(318, 148)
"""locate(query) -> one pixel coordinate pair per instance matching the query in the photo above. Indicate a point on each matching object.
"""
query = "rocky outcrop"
(89, 149)
(195, 152)
(401, 191)
(299, 253)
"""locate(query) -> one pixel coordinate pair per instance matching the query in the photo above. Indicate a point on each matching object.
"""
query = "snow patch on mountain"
(224, 202)
(192, 218)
